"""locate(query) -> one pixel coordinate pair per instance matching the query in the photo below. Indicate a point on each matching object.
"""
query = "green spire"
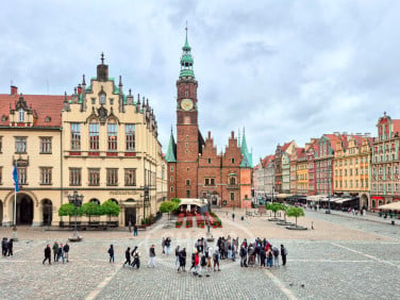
(170, 156)
(186, 60)
(247, 157)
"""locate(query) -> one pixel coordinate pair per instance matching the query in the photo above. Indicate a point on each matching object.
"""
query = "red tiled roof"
(286, 145)
(334, 139)
(267, 160)
(300, 152)
(43, 106)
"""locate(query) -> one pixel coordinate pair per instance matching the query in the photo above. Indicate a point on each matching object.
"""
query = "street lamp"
(76, 200)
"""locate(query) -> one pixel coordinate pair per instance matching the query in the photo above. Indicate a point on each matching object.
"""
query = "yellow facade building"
(352, 167)
(99, 141)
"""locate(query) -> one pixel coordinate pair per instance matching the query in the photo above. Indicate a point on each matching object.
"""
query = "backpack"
(275, 251)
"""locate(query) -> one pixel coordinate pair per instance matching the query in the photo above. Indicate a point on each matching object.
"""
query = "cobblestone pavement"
(321, 264)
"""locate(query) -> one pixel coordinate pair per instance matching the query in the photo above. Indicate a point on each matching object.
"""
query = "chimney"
(14, 90)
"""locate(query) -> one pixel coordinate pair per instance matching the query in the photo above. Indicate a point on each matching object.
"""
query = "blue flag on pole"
(15, 177)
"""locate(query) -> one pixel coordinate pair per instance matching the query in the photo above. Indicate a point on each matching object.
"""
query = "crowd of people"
(60, 251)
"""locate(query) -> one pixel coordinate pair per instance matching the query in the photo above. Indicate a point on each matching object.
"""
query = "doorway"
(130, 215)
(47, 212)
(24, 210)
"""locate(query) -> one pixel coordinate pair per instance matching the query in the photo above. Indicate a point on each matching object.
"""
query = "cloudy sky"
(282, 70)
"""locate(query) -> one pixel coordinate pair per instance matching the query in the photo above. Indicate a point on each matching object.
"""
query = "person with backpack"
(4, 246)
(275, 252)
(152, 255)
(284, 253)
(111, 253)
(136, 260)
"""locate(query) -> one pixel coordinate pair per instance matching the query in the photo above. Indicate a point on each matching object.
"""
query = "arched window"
(94, 200)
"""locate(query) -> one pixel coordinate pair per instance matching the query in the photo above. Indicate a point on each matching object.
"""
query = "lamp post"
(76, 200)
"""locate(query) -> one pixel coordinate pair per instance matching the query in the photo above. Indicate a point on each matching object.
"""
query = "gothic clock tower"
(187, 148)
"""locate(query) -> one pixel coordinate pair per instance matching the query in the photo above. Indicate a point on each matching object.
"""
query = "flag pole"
(15, 237)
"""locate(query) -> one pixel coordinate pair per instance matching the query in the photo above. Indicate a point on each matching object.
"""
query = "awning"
(282, 196)
(315, 197)
(336, 200)
(345, 200)
(391, 206)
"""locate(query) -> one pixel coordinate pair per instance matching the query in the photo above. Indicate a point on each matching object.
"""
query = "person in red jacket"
(196, 263)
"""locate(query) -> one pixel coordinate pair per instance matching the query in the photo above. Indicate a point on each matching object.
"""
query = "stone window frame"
(45, 145)
(46, 177)
(21, 144)
(75, 176)
(94, 176)
(130, 177)
(112, 176)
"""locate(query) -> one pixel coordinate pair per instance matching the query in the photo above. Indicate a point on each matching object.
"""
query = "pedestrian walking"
(127, 257)
(284, 253)
(216, 259)
(177, 256)
(47, 254)
(4, 243)
(269, 258)
(182, 260)
(111, 253)
(130, 226)
(10, 245)
(233, 217)
(60, 253)
(55, 251)
(152, 255)
(163, 245)
(136, 260)
(168, 245)
(66, 251)
(135, 230)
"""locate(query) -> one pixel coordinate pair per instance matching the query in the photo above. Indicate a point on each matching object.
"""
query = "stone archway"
(24, 210)
(47, 212)
(364, 202)
(130, 213)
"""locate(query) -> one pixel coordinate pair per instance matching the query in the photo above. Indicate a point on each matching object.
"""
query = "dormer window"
(21, 114)
(47, 120)
(102, 98)
(4, 118)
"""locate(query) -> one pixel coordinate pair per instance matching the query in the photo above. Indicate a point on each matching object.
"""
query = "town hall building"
(195, 168)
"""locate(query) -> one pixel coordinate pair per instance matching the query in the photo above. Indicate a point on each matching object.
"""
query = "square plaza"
(344, 257)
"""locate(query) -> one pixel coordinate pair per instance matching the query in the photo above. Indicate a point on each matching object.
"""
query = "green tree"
(91, 209)
(67, 209)
(110, 208)
(274, 207)
(295, 212)
(168, 207)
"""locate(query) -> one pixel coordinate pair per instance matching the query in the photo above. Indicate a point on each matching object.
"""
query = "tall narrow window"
(187, 193)
(130, 137)
(1, 175)
(45, 175)
(75, 136)
(20, 144)
(75, 177)
(112, 136)
(45, 145)
(21, 114)
(130, 177)
(22, 175)
(1, 144)
(112, 176)
(102, 98)
(94, 136)
(94, 176)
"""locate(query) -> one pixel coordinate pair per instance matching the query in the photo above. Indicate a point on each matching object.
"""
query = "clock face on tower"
(187, 104)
